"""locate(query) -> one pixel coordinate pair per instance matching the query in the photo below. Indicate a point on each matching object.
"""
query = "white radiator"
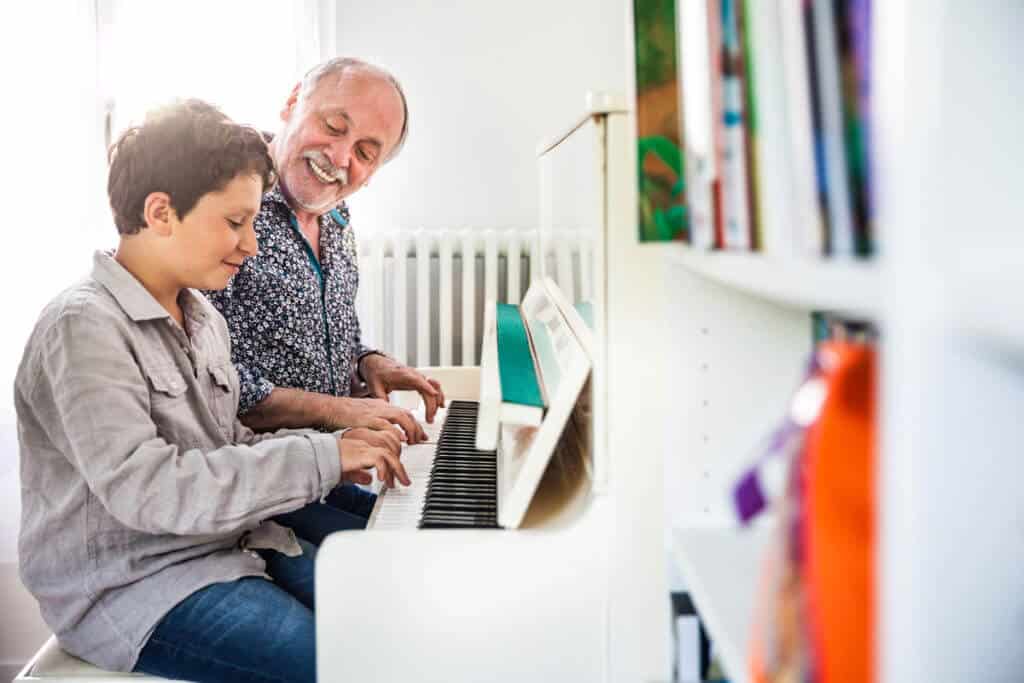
(435, 318)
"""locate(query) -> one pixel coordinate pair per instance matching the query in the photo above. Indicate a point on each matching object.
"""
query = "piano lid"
(563, 365)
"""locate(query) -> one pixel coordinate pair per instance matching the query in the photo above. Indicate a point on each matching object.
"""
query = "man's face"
(335, 138)
(213, 239)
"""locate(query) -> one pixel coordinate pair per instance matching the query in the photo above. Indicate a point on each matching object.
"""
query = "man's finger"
(430, 405)
(440, 392)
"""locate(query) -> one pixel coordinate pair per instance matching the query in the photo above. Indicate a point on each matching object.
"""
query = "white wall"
(52, 193)
(486, 81)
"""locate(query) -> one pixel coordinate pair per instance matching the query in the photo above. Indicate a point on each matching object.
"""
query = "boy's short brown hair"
(186, 149)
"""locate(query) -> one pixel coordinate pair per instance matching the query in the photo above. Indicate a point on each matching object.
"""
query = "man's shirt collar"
(339, 214)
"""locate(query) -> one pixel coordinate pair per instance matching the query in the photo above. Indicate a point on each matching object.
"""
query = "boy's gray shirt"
(139, 485)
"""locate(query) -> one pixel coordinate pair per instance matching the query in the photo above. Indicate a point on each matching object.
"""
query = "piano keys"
(454, 485)
(464, 486)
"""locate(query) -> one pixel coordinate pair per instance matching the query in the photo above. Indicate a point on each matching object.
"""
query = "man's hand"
(384, 375)
(358, 456)
(375, 414)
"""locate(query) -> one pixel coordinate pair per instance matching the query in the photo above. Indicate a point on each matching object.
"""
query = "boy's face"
(335, 138)
(213, 239)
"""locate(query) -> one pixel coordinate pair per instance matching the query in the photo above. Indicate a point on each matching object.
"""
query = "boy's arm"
(105, 426)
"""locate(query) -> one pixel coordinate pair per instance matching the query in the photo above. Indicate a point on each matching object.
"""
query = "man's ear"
(289, 105)
(158, 213)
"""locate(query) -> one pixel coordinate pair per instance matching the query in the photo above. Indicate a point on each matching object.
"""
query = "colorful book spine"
(854, 31)
(736, 214)
(716, 51)
(750, 142)
(777, 225)
(833, 174)
(807, 209)
(817, 125)
(698, 121)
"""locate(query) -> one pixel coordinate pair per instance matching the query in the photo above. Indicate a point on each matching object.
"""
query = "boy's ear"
(289, 105)
(158, 213)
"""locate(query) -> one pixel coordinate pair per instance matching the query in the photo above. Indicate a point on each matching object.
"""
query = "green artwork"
(662, 210)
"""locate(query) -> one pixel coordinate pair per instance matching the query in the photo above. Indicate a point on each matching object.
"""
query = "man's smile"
(324, 175)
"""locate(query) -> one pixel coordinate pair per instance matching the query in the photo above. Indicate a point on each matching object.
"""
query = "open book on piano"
(481, 469)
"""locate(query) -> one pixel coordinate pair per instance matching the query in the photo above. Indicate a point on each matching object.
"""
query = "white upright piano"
(538, 556)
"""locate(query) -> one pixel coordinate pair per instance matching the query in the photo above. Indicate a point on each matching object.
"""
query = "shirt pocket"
(223, 394)
(167, 385)
(168, 404)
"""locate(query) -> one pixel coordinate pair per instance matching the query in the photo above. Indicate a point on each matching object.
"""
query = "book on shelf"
(735, 202)
(853, 30)
(771, 176)
(833, 179)
(808, 211)
(698, 119)
(833, 327)
(776, 111)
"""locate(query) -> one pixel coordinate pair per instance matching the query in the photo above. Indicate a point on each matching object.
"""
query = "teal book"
(522, 396)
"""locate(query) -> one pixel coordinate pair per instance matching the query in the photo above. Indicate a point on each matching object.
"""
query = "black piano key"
(462, 488)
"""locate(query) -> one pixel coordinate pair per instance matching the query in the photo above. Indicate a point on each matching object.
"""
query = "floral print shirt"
(291, 316)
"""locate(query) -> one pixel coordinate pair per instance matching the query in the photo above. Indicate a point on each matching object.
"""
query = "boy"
(143, 496)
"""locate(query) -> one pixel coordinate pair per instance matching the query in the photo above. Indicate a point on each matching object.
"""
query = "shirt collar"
(339, 214)
(133, 298)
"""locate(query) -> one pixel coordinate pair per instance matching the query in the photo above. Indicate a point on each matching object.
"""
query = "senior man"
(291, 309)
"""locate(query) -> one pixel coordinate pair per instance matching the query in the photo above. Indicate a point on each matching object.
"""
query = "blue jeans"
(347, 507)
(253, 629)
(245, 630)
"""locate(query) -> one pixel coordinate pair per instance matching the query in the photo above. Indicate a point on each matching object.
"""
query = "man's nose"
(339, 154)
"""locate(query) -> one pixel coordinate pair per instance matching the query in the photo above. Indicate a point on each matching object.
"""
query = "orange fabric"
(839, 534)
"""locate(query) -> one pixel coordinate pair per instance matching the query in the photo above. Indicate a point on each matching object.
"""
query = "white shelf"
(846, 286)
(721, 568)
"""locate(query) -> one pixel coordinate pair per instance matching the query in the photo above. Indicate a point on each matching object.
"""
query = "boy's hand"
(375, 414)
(358, 456)
(385, 438)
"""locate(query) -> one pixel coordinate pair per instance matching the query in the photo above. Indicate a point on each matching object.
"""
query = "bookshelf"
(701, 351)
(945, 292)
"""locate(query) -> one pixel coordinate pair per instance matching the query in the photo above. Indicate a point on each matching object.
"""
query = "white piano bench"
(53, 664)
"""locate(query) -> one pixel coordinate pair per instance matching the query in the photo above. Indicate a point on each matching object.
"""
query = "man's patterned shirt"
(292, 317)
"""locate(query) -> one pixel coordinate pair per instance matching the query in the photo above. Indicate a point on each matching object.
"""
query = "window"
(242, 55)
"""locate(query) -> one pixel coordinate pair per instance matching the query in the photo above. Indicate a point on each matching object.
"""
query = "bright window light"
(240, 55)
